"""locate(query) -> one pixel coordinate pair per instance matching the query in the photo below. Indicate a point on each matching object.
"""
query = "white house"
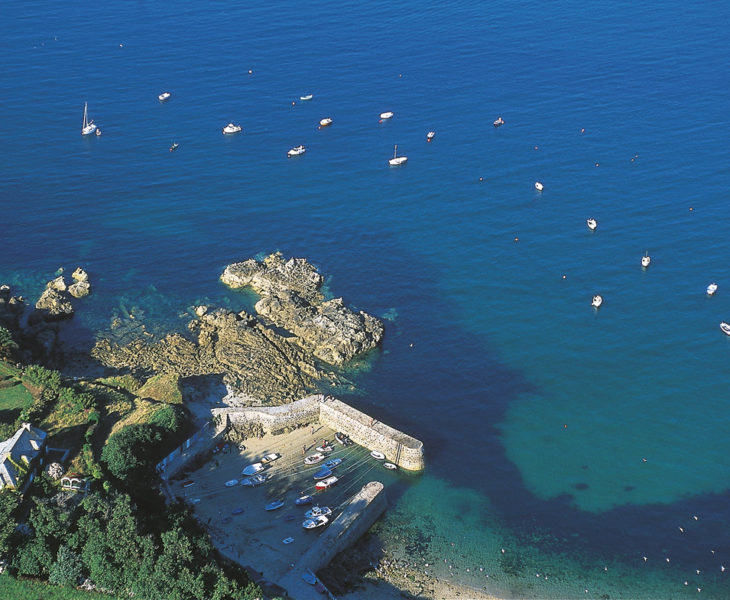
(20, 451)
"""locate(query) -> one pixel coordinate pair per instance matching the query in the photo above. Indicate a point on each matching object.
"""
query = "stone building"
(21, 453)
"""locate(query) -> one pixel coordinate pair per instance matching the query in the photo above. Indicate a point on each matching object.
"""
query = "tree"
(9, 501)
(7, 344)
(67, 569)
(127, 454)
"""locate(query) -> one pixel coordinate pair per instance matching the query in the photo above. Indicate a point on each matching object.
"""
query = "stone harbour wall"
(399, 448)
(274, 418)
(356, 518)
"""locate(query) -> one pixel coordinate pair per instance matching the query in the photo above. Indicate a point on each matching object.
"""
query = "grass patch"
(163, 388)
(29, 589)
(123, 382)
(13, 400)
(7, 370)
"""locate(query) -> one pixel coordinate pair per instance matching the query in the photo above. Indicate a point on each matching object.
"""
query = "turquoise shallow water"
(536, 410)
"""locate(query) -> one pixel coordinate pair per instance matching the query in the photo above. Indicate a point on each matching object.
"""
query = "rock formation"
(81, 286)
(291, 299)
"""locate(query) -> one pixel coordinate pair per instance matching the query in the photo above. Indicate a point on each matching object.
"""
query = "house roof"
(27, 442)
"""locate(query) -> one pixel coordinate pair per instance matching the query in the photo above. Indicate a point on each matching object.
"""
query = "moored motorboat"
(324, 448)
(315, 522)
(397, 160)
(498, 122)
(231, 482)
(597, 301)
(306, 97)
(326, 122)
(539, 186)
(323, 473)
(174, 146)
(253, 469)
(254, 480)
(231, 128)
(390, 466)
(318, 511)
(331, 464)
(274, 505)
(326, 483)
(645, 260)
(296, 151)
(314, 458)
(164, 96)
(725, 328)
(302, 500)
(343, 438)
(269, 458)
(592, 224)
(430, 135)
(386, 115)
(711, 289)
(87, 127)
(377, 455)
(287, 540)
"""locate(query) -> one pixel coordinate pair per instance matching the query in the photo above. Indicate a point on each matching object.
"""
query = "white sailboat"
(88, 127)
(397, 160)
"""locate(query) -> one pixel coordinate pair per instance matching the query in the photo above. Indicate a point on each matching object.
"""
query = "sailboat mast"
(395, 150)
(83, 125)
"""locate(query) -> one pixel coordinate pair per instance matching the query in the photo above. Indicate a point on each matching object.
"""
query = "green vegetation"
(25, 589)
(14, 399)
(162, 388)
(7, 343)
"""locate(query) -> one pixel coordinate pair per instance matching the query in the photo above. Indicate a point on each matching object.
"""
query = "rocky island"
(278, 354)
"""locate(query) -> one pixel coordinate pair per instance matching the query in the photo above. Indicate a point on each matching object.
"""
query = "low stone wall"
(399, 448)
(357, 517)
(274, 418)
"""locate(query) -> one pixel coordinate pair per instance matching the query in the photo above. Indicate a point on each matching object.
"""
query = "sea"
(571, 452)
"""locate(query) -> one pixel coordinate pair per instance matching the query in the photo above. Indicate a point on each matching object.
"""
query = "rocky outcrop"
(81, 286)
(11, 307)
(255, 361)
(291, 299)
(54, 304)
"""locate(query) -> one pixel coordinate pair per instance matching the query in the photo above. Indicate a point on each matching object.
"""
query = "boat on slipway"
(315, 522)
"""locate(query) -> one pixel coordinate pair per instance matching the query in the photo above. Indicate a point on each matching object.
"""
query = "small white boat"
(386, 115)
(325, 483)
(87, 127)
(164, 96)
(331, 464)
(725, 328)
(174, 146)
(711, 289)
(253, 469)
(315, 522)
(597, 301)
(326, 122)
(326, 448)
(302, 500)
(274, 505)
(377, 455)
(592, 224)
(539, 186)
(397, 160)
(430, 135)
(231, 482)
(307, 97)
(645, 260)
(296, 151)
(231, 128)
(317, 511)
(390, 466)
(499, 121)
(313, 459)
(254, 480)
(269, 458)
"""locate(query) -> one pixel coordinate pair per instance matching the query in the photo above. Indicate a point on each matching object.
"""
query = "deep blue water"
(536, 410)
